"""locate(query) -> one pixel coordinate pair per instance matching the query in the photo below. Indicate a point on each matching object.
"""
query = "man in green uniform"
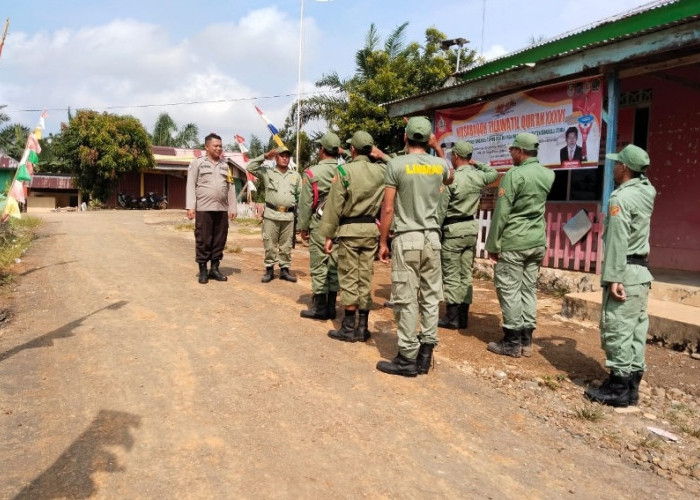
(323, 267)
(458, 204)
(626, 279)
(282, 187)
(350, 216)
(412, 194)
(517, 242)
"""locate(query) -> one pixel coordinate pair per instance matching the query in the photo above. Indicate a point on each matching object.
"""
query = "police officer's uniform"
(624, 324)
(281, 195)
(517, 233)
(350, 214)
(323, 268)
(458, 205)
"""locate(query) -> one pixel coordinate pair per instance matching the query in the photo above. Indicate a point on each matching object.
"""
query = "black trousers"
(210, 233)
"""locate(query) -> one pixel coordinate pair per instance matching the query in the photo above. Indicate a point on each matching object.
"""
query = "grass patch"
(650, 443)
(184, 226)
(15, 237)
(683, 417)
(592, 413)
(247, 221)
(551, 383)
(247, 230)
(233, 248)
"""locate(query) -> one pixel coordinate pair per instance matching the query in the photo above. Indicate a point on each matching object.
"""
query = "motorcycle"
(127, 201)
(156, 201)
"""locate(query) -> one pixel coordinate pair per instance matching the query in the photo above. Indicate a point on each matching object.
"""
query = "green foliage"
(592, 413)
(383, 74)
(98, 148)
(13, 139)
(166, 133)
(15, 237)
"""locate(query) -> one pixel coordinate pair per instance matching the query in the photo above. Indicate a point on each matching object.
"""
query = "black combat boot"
(614, 392)
(451, 320)
(526, 341)
(269, 275)
(463, 316)
(318, 308)
(203, 275)
(347, 331)
(509, 346)
(400, 365)
(214, 273)
(284, 275)
(330, 311)
(363, 333)
(635, 380)
(425, 358)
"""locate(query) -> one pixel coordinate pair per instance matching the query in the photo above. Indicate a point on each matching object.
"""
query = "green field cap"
(526, 141)
(282, 150)
(462, 148)
(419, 129)
(633, 156)
(330, 142)
(361, 141)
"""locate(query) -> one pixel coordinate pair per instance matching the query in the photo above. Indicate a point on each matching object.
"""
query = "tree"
(13, 139)
(98, 148)
(166, 133)
(383, 73)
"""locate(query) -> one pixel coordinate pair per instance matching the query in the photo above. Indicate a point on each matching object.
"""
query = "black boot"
(318, 308)
(284, 275)
(509, 346)
(214, 273)
(635, 380)
(425, 358)
(203, 275)
(363, 333)
(451, 320)
(347, 331)
(463, 316)
(614, 392)
(526, 341)
(330, 311)
(400, 365)
(269, 275)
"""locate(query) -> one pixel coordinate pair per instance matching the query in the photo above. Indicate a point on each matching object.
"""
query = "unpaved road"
(122, 377)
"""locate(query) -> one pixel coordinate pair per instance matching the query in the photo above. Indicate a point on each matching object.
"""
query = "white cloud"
(495, 51)
(131, 63)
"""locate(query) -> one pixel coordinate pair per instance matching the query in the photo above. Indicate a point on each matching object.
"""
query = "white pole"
(301, 48)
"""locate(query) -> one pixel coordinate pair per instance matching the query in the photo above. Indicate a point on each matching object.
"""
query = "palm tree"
(166, 133)
(13, 139)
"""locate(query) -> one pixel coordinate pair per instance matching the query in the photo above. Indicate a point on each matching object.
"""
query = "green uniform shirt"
(518, 220)
(627, 232)
(281, 188)
(323, 173)
(359, 192)
(417, 179)
(461, 198)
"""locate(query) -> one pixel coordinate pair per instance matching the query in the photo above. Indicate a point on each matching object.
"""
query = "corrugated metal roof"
(168, 158)
(8, 161)
(57, 182)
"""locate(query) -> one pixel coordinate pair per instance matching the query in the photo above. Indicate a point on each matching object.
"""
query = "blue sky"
(134, 57)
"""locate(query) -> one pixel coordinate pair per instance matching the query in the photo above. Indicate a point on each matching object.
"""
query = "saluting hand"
(270, 154)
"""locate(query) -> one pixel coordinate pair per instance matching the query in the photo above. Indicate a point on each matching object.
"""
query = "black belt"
(639, 260)
(452, 220)
(362, 219)
(280, 208)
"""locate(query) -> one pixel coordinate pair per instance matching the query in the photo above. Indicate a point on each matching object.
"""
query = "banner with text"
(566, 117)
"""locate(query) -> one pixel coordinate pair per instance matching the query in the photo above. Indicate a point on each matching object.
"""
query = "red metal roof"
(52, 182)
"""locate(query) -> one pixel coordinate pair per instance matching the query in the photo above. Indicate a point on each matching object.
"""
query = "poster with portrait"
(566, 117)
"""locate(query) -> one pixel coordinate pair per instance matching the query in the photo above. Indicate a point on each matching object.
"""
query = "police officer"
(412, 195)
(210, 195)
(323, 267)
(350, 216)
(516, 244)
(626, 279)
(458, 204)
(282, 187)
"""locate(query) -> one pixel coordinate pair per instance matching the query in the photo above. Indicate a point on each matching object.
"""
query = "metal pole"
(301, 47)
(611, 136)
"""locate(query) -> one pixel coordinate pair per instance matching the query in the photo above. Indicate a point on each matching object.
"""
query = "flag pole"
(301, 48)
(4, 34)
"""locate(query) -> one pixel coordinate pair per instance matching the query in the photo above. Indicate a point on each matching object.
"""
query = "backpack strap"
(314, 188)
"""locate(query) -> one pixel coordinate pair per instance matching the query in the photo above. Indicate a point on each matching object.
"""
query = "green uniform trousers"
(323, 268)
(416, 288)
(355, 270)
(516, 280)
(457, 256)
(623, 329)
(277, 241)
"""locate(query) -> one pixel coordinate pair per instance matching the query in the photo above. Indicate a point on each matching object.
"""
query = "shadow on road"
(30, 271)
(63, 332)
(561, 352)
(70, 475)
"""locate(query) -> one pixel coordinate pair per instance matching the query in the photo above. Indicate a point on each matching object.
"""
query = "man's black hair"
(571, 130)
(211, 136)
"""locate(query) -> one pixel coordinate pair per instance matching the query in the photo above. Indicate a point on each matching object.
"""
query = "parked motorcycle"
(127, 201)
(156, 201)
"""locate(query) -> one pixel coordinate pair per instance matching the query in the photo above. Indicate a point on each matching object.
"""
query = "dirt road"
(122, 377)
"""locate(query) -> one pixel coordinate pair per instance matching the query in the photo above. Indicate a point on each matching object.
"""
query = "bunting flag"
(17, 191)
(241, 145)
(10, 208)
(275, 133)
(22, 173)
